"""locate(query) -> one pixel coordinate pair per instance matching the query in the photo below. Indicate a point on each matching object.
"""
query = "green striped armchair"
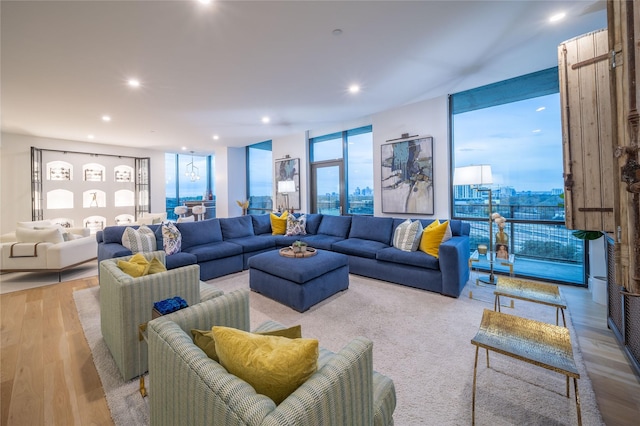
(126, 302)
(189, 388)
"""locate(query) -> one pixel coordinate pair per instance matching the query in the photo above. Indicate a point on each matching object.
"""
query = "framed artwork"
(407, 176)
(287, 183)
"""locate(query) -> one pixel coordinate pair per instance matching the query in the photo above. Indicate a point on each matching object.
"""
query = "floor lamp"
(478, 176)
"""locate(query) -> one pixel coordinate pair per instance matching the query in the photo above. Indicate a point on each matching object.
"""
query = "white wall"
(295, 146)
(15, 175)
(427, 118)
(230, 180)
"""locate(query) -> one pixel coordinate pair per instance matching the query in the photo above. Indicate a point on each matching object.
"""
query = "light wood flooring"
(48, 376)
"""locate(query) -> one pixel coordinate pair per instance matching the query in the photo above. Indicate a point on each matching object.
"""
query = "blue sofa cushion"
(298, 270)
(372, 228)
(236, 227)
(359, 247)
(179, 259)
(413, 258)
(113, 234)
(338, 226)
(213, 251)
(254, 243)
(261, 224)
(313, 222)
(286, 241)
(320, 241)
(200, 232)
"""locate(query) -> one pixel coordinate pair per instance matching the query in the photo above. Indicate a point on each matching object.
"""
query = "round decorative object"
(288, 252)
(482, 249)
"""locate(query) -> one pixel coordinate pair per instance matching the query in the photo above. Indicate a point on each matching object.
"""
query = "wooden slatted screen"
(587, 142)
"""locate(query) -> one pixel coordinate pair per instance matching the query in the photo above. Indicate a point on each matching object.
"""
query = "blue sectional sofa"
(223, 246)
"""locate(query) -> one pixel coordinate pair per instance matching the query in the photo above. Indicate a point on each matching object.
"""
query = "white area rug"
(421, 341)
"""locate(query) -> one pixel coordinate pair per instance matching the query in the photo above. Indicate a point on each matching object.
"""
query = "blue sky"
(522, 141)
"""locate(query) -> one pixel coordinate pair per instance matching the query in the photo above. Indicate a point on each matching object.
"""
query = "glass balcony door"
(327, 188)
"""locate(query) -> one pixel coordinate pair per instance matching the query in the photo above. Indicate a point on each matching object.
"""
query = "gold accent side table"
(546, 294)
(538, 343)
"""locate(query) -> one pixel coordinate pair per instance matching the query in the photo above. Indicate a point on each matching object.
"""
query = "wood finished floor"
(48, 377)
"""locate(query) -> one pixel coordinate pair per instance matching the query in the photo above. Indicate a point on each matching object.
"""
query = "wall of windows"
(342, 172)
(514, 126)
(260, 177)
(188, 178)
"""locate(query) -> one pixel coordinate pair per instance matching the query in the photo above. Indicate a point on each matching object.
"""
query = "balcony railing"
(543, 247)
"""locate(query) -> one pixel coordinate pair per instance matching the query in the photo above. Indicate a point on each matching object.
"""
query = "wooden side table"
(538, 343)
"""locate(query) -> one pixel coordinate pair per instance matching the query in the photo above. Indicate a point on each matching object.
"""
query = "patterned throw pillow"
(139, 240)
(296, 226)
(407, 235)
(171, 238)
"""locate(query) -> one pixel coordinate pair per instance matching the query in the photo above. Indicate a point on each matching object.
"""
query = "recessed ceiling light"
(133, 82)
(336, 32)
(204, 1)
(216, 137)
(184, 148)
(91, 137)
(540, 109)
(265, 120)
(557, 17)
(354, 88)
(106, 118)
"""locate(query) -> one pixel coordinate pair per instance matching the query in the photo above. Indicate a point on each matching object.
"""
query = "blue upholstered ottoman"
(298, 282)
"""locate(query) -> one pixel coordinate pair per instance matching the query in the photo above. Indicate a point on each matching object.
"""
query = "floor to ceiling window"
(260, 177)
(339, 186)
(189, 177)
(514, 127)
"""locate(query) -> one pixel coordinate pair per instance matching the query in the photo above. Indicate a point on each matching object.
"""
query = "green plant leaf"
(587, 235)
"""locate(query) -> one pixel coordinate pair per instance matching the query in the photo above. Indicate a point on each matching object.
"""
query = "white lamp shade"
(286, 186)
(473, 175)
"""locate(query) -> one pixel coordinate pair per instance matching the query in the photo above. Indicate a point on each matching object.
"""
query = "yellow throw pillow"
(136, 266)
(275, 366)
(279, 223)
(156, 266)
(204, 338)
(434, 235)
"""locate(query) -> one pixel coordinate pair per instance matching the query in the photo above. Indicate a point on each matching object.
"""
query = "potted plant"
(299, 246)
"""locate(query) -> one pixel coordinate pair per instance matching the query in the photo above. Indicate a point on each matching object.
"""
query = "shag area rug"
(422, 341)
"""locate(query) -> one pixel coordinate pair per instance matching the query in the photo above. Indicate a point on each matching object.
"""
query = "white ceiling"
(219, 68)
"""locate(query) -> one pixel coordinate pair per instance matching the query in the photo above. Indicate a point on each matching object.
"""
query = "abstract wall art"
(407, 176)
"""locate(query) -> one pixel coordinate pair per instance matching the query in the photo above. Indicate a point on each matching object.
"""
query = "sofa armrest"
(71, 252)
(340, 392)
(454, 265)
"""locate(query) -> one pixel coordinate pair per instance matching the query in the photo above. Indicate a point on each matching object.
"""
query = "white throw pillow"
(407, 235)
(46, 235)
(35, 224)
(139, 240)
